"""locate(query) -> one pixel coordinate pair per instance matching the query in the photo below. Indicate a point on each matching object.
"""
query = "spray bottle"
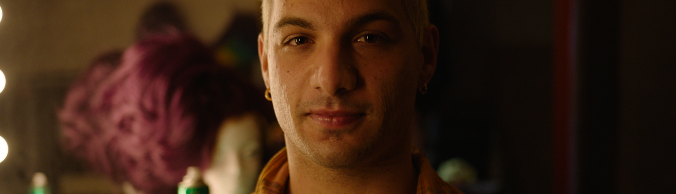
(39, 184)
(192, 183)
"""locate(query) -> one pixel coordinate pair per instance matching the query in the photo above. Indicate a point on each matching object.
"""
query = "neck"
(394, 174)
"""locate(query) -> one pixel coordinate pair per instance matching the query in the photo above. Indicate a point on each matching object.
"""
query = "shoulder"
(429, 181)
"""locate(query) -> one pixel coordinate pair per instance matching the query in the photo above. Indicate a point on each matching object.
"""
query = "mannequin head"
(238, 155)
(162, 17)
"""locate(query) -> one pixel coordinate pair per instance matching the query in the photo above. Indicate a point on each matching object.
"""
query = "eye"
(370, 38)
(296, 41)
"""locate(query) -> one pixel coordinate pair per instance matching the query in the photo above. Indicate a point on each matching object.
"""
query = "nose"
(335, 73)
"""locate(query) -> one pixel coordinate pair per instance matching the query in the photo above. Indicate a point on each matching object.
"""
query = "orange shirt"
(276, 173)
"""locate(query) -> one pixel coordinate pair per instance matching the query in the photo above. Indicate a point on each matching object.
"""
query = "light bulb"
(4, 149)
(0, 13)
(2, 81)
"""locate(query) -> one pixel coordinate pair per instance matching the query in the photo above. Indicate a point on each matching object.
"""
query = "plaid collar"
(274, 177)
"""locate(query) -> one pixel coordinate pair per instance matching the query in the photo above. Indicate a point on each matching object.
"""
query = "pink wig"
(160, 111)
(78, 128)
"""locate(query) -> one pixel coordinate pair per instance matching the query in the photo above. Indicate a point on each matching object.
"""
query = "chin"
(340, 154)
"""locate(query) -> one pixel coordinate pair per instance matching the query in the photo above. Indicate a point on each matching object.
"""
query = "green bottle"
(39, 184)
(192, 183)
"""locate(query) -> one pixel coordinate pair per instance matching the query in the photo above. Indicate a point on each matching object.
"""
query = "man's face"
(343, 76)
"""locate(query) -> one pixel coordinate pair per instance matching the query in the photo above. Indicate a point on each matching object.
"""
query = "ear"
(263, 57)
(430, 50)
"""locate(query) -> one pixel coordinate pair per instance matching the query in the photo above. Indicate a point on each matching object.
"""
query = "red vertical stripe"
(564, 96)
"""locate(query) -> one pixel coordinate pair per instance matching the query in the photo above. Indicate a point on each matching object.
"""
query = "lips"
(335, 119)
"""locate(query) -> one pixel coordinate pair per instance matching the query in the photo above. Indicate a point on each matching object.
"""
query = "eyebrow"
(372, 17)
(294, 21)
(358, 21)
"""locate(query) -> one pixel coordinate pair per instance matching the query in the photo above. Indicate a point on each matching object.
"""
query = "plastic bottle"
(39, 184)
(192, 183)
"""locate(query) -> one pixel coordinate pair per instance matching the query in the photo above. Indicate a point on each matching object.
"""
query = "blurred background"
(535, 96)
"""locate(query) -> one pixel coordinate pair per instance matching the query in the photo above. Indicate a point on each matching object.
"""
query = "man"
(342, 76)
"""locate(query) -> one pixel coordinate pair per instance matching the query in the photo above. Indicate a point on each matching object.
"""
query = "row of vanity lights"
(4, 149)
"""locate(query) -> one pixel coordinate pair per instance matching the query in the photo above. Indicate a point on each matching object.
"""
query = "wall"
(647, 92)
(44, 45)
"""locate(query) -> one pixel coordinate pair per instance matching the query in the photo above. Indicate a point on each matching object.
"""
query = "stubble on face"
(383, 129)
(385, 100)
(334, 148)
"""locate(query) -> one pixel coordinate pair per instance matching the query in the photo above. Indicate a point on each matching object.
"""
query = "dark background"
(491, 100)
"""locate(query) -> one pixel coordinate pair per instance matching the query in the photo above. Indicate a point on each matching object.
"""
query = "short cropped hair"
(416, 11)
